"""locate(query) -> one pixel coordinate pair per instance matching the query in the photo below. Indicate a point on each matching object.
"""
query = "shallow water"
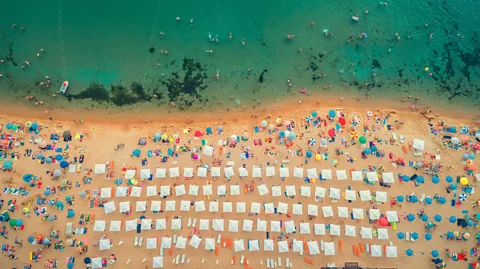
(109, 43)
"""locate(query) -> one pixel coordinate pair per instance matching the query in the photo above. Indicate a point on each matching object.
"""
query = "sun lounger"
(407, 236)
(140, 242)
(242, 258)
(422, 198)
(367, 248)
(287, 262)
(189, 223)
(135, 241)
(268, 263)
(80, 231)
(183, 258)
(194, 223)
(234, 260)
(177, 259)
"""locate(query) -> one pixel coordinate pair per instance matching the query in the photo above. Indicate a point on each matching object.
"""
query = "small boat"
(64, 87)
(355, 18)
(304, 91)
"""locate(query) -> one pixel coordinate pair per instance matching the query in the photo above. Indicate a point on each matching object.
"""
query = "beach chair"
(422, 198)
(407, 236)
(234, 260)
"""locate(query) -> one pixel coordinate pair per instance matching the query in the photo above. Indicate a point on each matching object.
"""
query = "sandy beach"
(300, 137)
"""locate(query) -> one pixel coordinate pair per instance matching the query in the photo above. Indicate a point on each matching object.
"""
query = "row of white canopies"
(298, 246)
(276, 191)
(270, 171)
(218, 225)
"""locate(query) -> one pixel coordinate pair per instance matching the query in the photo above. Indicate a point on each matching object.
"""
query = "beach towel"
(80, 231)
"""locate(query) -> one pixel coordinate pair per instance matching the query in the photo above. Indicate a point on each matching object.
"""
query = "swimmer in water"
(290, 36)
(230, 36)
(209, 51)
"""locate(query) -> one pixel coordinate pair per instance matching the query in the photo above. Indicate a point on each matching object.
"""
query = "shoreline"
(294, 104)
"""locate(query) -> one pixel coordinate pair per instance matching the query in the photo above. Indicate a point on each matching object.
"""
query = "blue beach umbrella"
(332, 113)
(83, 194)
(136, 153)
(434, 253)
(27, 178)
(48, 160)
(449, 179)
(68, 199)
(477, 216)
(70, 265)
(40, 156)
(47, 192)
(9, 126)
(70, 213)
(435, 179)
(414, 235)
(471, 156)
(442, 200)
(208, 130)
(18, 222)
(414, 199)
(87, 260)
(405, 178)
(428, 236)
(34, 126)
(57, 172)
(452, 219)
(409, 252)
(157, 136)
(470, 223)
(59, 157)
(292, 136)
(63, 164)
(31, 239)
(424, 217)
(400, 198)
(465, 156)
(8, 165)
(437, 218)
(219, 128)
(400, 235)
(309, 154)
(420, 180)
(453, 186)
(428, 201)
(281, 133)
(411, 217)
(450, 235)
(367, 151)
(45, 241)
(373, 148)
(314, 114)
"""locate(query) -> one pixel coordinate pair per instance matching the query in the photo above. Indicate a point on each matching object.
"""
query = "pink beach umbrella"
(195, 156)
(287, 123)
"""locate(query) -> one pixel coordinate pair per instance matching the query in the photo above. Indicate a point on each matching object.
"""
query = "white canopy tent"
(365, 195)
(227, 207)
(261, 225)
(204, 225)
(141, 206)
(335, 229)
(255, 208)
(298, 172)
(146, 224)
(357, 213)
(388, 177)
(208, 150)
(326, 174)
(329, 248)
(269, 208)
(157, 262)
(312, 210)
(392, 216)
(284, 172)
(254, 245)
(282, 246)
(313, 248)
(218, 225)
(99, 226)
(341, 175)
(160, 173)
(297, 209)
(290, 189)
(270, 171)
(297, 246)
(151, 243)
(136, 191)
(418, 144)
(188, 172)
(207, 190)
(129, 174)
(247, 225)
(200, 206)
(176, 224)
(115, 226)
(193, 190)
(145, 173)
(170, 205)
(381, 196)
(275, 226)
(327, 211)
(96, 263)
(152, 191)
(161, 224)
(174, 172)
(256, 172)
(131, 225)
(233, 226)
(304, 228)
(276, 191)
(350, 230)
(180, 190)
(195, 241)
(305, 191)
(215, 171)
(235, 190)
(357, 176)
(268, 245)
(156, 206)
(100, 168)
(366, 232)
(181, 242)
(374, 214)
(121, 191)
(290, 227)
(391, 252)
(106, 193)
(104, 244)
(320, 192)
(372, 176)
(282, 208)
(166, 242)
(350, 195)
(319, 229)
(243, 172)
(241, 207)
(262, 190)
(376, 250)
(222, 190)
(209, 244)
(334, 193)
(382, 233)
(312, 173)
(343, 212)
(238, 245)
(165, 190)
(228, 172)
(109, 207)
(184, 206)
(202, 172)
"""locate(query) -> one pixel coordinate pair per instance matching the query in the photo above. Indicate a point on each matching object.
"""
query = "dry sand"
(103, 134)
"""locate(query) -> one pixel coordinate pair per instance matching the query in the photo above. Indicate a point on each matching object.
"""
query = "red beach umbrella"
(342, 121)
(198, 133)
(331, 133)
(383, 221)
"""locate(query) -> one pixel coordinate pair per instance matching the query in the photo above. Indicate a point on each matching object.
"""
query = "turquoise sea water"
(119, 43)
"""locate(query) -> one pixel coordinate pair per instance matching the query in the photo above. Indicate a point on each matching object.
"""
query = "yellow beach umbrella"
(464, 181)
(164, 136)
(318, 157)
(28, 124)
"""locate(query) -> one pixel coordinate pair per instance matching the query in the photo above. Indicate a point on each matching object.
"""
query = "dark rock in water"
(96, 92)
(261, 78)
(376, 64)
(118, 95)
(151, 50)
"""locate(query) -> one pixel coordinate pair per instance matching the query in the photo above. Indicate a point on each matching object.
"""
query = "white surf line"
(62, 45)
(151, 41)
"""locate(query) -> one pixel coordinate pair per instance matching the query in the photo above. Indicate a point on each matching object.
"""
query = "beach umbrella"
(465, 156)
(318, 157)
(435, 179)
(47, 192)
(331, 133)
(449, 179)
(9, 126)
(409, 252)
(87, 260)
(428, 201)
(12, 222)
(308, 118)
(45, 241)
(58, 157)
(367, 151)
(208, 130)
(157, 136)
(314, 114)
(18, 222)
(362, 140)
(477, 216)
(414, 199)
(195, 156)
(136, 153)
(471, 156)
(323, 142)
(434, 253)
(442, 200)
(292, 135)
(311, 142)
(40, 156)
(68, 198)
(70, 265)
(58, 203)
(424, 217)
(428, 236)
(400, 235)
(264, 123)
(420, 180)
(411, 217)
(414, 235)
(437, 218)
(400, 198)
(464, 181)
(48, 160)
(27, 178)
(66, 134)
(281, 133)
(57, 172)
(332, 113)
(219, 128)
(462, 197)
(142, 142)
(34, 126)
(383, 221)
(8, 165)
(373, 148)
(452, 219)
(31, 239)
(197, 133)
(455, 140)
(63, 164)
(51, 218)
(450, 235)
(405, 178)
(470, 223)
(453, 186)
(233, 137)
(309, 154)
(70, 213)
(83, 194)
(342, 121)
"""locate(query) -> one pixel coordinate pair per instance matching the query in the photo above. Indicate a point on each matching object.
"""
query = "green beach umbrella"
(362, 140)
(12, 222)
